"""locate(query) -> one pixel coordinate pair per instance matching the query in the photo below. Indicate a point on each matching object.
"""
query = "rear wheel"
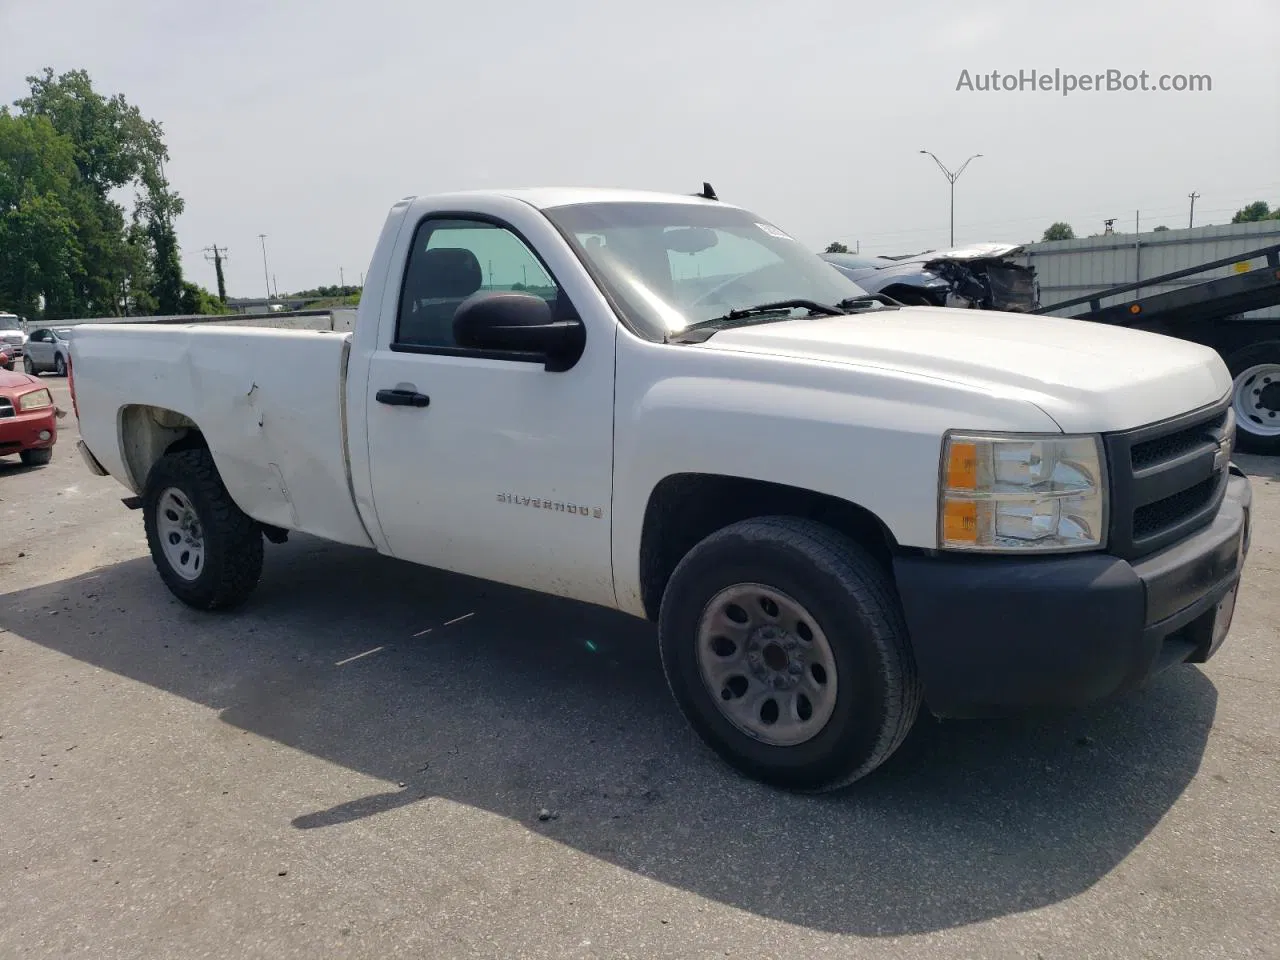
(1256, 396)
(36, 458)
(785, 647)
(207, 550)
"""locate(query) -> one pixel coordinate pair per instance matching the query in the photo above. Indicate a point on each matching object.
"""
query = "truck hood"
(1089, 377)
(977, 251)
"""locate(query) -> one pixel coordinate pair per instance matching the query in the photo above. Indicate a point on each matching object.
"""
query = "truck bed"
(270, 404)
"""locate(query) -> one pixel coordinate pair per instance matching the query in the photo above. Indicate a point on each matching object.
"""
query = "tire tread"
(869, 586)
(240, 552)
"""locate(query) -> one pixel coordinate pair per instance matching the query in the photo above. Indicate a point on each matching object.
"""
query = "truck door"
(506, 472)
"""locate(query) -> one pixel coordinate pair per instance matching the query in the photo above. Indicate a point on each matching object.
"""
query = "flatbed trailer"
(1213, 313)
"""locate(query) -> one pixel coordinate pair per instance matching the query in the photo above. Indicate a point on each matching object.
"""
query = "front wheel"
(1256, 396)
(207, 550)
(786, 649)
(29, 366)
(36, 458)
(59, 366)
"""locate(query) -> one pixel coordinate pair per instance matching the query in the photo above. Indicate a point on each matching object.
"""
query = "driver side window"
(452, 259)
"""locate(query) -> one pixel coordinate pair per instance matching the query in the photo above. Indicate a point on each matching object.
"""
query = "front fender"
(870, 437)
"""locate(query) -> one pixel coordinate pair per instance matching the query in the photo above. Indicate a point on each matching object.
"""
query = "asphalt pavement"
(377, 760)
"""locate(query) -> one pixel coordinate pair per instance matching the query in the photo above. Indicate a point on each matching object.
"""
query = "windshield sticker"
(773, 231)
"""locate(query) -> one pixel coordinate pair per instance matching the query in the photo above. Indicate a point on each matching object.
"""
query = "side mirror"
(519, 322)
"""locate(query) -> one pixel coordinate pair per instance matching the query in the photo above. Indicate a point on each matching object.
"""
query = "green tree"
(196, 299)
(1256, 211)
(1059, 231)
(156, 211)
(836, 247)
(1159, 229)
(127, 264)
(40, 259)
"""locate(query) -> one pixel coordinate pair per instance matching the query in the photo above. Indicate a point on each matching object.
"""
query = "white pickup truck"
(837, 509)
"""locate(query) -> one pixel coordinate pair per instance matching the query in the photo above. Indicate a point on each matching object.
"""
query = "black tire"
(36, 458)
(29, 366)
(232, 540)
(853, 602)
(59, 365)
(1267, 352)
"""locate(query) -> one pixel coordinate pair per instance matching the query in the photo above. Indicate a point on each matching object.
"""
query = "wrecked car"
(983, 277)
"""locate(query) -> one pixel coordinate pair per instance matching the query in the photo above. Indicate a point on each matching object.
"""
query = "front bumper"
(24, 431)
(1000, 635)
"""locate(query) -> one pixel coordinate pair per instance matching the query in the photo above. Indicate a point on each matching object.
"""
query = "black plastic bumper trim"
(1000, 635)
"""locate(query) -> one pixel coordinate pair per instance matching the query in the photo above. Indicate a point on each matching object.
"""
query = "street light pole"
(266, 274)
(951, 179)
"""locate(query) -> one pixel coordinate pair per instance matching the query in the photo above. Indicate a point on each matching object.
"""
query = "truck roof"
(545, 198)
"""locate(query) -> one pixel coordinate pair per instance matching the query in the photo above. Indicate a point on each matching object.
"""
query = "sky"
(306, 119)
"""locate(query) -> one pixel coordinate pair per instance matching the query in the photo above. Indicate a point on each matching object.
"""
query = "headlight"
(35, 400)
(1004, 494)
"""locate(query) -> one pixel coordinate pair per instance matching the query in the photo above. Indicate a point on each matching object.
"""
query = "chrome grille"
(1167, 479)
(6, 408)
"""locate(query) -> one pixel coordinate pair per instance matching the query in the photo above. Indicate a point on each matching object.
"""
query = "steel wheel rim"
(1257, 400)
(181, 534)
(767, 664)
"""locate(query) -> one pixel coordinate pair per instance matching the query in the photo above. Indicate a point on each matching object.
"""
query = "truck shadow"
(12, 466)
(512, 702)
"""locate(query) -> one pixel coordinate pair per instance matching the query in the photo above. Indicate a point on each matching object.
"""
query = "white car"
(12, 336)
(47, 350)
(835, 509)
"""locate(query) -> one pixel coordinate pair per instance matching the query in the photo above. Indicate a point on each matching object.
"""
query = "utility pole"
(951, 179)
(215, 256)
(1137, 252)
(342, 280)
(266, 274)
(1191, 218)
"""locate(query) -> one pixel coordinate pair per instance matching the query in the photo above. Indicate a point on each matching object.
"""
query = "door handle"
(402, 398)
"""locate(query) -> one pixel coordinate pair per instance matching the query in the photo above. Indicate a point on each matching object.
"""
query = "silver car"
(47, 349)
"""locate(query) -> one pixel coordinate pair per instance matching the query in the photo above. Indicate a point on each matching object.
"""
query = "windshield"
(670, 265)
(9, 323)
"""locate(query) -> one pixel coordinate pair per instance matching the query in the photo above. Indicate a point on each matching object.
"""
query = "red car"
(6, 359)
(28, 419)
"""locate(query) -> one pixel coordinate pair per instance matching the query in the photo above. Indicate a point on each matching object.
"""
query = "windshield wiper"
(761, 311)
(813, 306)
(867, 300)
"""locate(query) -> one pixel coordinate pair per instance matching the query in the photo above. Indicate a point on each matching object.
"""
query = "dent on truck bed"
(266, 403)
